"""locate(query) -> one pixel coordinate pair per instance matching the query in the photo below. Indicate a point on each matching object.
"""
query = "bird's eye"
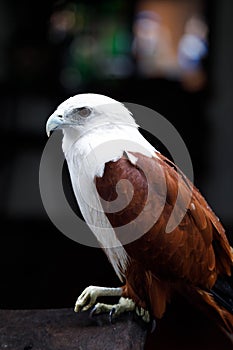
(76, 113)
(84, 112)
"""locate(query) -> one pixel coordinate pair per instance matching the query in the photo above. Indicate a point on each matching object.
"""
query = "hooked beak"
(54, 122)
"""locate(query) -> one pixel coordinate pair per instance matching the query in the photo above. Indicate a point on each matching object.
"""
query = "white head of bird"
(85, 111)
(88, 120)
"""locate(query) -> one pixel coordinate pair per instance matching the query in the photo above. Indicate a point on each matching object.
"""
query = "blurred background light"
(170, 39)
(96, 43)
(191, 51)
(193, 45)
(166, 39)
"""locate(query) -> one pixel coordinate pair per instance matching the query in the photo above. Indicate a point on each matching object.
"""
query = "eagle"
(127, 192)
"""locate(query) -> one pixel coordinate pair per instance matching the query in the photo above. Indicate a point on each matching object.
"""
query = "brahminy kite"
(194, 258)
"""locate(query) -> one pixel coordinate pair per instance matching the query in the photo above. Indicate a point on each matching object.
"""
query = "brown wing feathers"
(192, 255)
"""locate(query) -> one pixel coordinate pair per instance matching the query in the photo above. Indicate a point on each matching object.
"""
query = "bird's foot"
(89, 296)
(124, 305)
(143, 313)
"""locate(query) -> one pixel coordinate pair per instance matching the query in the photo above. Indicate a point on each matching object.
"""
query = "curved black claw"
(111, 313)
(153, 326)
(92, 313)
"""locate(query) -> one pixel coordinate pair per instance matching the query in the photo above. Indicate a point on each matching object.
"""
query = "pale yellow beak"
(54, 122)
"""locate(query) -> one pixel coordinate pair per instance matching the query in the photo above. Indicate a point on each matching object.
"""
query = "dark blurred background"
(174, 56)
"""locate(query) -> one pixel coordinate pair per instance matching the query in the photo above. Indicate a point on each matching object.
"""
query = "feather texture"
(193, 254)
